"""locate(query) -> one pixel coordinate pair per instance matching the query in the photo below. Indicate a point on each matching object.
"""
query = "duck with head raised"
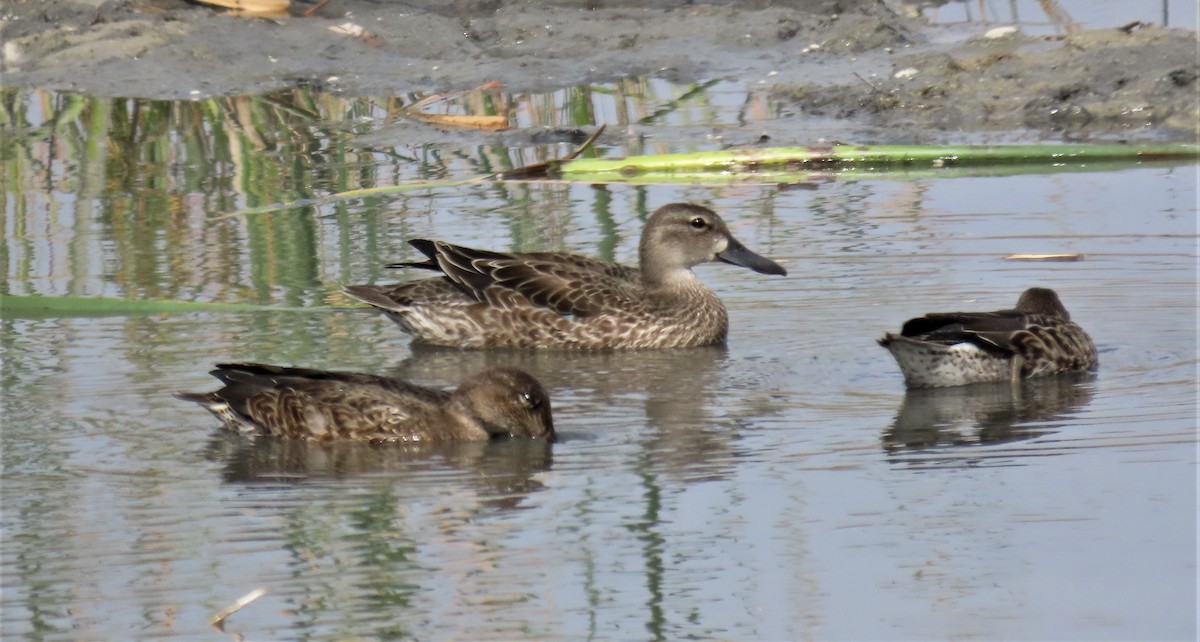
(555, 300)
(1035, 338)
(302, 403)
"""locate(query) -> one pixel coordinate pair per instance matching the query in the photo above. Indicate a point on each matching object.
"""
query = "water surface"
(784, 486)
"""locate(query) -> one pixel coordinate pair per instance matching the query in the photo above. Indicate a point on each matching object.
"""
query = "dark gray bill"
(737, 254)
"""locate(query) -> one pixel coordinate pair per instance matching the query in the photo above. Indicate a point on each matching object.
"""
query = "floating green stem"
(876, 159)
(75, 306)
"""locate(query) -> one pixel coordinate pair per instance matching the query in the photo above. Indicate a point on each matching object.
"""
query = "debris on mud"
(853, 68)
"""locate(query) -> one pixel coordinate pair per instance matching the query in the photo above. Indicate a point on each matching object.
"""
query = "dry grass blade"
(254, 8)
(463, 121)
(218, 620)
(1044, 257)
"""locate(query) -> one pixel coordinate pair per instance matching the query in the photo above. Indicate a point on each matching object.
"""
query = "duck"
(1034, 339)
(486, 299)
(320, 405)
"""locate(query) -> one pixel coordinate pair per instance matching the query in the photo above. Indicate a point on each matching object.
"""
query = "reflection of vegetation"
(382, 555)
(145, 177)
(33, 521)
(653, 549)
(126, 198)
(608, 227)
(359, 544)
(119, 198)
(692, 92)
(360, 552)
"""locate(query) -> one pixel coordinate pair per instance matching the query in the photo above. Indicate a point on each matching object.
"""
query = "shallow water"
(785, 486)
(1039, 17)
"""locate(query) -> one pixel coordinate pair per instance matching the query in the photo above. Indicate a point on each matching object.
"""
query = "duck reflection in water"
(503, 472)
(682, 396)
(939, 419)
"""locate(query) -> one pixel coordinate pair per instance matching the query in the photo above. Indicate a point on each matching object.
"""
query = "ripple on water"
(768, 489)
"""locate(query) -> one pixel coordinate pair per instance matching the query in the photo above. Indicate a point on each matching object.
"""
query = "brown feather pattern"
(303, 403)
(953, 348)
(554, 300)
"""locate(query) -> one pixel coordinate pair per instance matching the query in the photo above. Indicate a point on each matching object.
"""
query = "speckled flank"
(930, 365)
(1034, 339)
(553, 300)
(318, 405)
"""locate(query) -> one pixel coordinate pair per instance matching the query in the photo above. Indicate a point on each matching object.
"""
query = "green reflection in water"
(127, 198)
(608, 227)
(355, 539)
(123, 192)
(33, 522)
(653, 547)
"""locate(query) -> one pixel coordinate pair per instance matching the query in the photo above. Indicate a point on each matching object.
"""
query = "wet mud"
(858, 63)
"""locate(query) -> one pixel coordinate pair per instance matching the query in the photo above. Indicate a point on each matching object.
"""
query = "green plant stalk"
(77, 306)
(776, 175)
(881, 157)
(796, 164)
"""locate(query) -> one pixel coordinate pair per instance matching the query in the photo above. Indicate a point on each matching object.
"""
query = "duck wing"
(436, 292)
(565, 283)
(302, 402)
(986, 329)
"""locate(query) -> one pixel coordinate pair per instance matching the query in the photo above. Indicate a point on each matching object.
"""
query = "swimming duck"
(556, 300)
(302, 403)
(1035, 338)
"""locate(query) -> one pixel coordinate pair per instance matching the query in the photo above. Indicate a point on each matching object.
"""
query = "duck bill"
(737, 254)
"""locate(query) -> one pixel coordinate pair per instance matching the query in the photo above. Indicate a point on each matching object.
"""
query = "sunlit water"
(782, 487)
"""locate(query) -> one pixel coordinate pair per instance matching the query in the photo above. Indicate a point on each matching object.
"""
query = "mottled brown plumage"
(954, 348)
(554, 300)
(302, 403)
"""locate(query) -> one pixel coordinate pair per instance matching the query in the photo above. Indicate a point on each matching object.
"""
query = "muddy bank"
(1137, 83)
(856, 63)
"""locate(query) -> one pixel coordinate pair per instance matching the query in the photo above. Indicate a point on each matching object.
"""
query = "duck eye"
(699, 223)
(529, 400)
